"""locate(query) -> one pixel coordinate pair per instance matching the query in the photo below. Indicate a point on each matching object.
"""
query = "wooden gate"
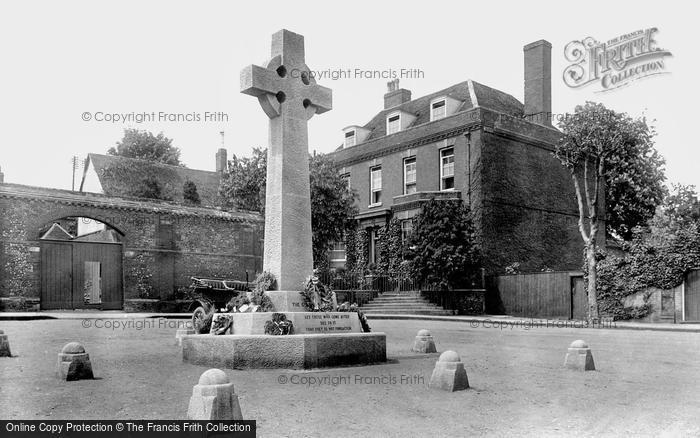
(579, 298)
(81, 275)
(692, 295)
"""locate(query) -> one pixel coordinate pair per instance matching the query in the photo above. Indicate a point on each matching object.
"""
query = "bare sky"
(61, 59)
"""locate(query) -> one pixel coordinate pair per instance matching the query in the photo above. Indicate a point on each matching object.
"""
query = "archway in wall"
(81, 265)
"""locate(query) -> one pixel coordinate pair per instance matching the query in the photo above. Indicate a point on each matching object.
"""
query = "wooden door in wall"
(692, 295)
(56, 275)
(579, 298)
(81, 275)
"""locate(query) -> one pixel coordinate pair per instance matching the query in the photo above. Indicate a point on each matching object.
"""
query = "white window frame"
(407, 161)
(334, 249)
(350, 138)
(398, 121)
(444, 106)
(443, 177)
(372, 188)
(404, 235)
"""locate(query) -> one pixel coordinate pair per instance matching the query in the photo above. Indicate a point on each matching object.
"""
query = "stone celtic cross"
(290, 97)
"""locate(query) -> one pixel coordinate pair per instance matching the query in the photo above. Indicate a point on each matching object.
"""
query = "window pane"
(393, 124)
(438, 110)
(410, 171)
(376, 179)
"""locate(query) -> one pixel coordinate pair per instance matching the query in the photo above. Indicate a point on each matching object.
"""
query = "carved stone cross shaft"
(290, 97)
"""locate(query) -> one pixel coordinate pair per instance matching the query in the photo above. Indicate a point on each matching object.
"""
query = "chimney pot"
(538, 82)
(395, 96)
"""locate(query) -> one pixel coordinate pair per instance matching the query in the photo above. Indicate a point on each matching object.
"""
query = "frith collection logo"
(615, 63)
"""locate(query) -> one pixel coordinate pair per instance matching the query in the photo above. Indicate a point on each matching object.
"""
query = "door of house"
(81, 275)
(579, 298)
(692, 295)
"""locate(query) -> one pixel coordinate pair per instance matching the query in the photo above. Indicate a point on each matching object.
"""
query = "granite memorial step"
(401, 306)
(434, 312)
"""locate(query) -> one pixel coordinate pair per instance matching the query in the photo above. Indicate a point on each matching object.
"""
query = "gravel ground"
(646, 383)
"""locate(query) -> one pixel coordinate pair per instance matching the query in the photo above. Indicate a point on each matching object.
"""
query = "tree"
(151, 188)
(634, 183)
(332, 205)
(442, 247)
(598, 144)
(243, 186)
(190, 193)
(146, 146)
(680, 208)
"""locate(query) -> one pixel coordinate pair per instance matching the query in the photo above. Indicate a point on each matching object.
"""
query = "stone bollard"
(213, 398)
(424, 342)
(4, 345)
(449, 373)
(74, 362)
(579, 357)
(182, 332)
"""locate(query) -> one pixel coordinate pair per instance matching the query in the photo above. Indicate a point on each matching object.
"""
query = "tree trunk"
(592, 280)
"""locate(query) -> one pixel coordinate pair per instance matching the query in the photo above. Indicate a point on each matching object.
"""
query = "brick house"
(474, 143)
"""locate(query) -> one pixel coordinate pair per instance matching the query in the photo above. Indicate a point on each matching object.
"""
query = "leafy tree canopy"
(243, 186)
(146, 146)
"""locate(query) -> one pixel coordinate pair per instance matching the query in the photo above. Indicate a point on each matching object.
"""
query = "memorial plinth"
(289, 96)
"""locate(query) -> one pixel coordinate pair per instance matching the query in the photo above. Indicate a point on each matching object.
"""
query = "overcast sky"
(61, 59)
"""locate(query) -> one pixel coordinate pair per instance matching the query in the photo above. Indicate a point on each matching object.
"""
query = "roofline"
(122, 203)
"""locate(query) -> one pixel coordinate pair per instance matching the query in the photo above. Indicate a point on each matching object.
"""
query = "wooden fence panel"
(537, 295)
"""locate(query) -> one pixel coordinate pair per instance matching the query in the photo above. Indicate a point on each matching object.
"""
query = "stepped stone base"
(285, 351)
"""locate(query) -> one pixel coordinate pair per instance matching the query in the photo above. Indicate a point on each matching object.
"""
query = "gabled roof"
(486, 97)
(119, 175)
(57, 232)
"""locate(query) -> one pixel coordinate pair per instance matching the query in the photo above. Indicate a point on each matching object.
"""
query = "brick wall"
(204, 242)
(529, 211)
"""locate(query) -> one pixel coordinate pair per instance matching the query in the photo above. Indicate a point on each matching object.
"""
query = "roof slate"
(486, 97)
(118, 175)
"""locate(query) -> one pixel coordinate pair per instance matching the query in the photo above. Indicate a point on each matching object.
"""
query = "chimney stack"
(221, 161)
(2, 176)
(538, 82)
(395, 96)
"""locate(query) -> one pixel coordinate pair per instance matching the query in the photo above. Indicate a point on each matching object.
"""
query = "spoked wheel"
(199, 317)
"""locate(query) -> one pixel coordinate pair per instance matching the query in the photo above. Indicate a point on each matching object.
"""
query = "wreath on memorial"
(221, 324)
(318, 297)
(264, 282)
(279, 325)
(255, 301)
(347, 307)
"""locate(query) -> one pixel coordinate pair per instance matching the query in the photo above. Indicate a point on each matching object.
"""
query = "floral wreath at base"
(317, 297)
(279, 325)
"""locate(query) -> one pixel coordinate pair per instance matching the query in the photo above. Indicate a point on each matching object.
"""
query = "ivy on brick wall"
(390, 248)
(357, 250)
(656, 257)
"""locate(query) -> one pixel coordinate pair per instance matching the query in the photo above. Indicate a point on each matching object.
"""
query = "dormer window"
(350, 139)
(438, 109)
(393, 124)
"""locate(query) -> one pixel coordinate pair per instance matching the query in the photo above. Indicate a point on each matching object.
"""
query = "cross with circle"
(289, 95)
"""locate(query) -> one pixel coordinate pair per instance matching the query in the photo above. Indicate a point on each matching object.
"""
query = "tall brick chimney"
(221, 160)
(395, 96)
(538, 82)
